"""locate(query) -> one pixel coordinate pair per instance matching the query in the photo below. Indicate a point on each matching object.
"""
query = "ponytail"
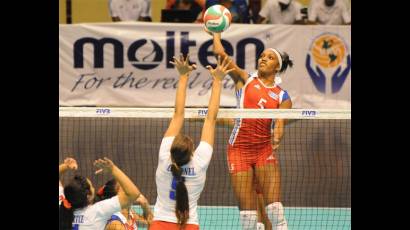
(181, 196)
(286, 61)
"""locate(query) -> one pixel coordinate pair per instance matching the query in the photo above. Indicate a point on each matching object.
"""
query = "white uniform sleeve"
(203, 155)
(266, 9)
(298, 8)
(104, 209)
(345, 13)
(165, 148)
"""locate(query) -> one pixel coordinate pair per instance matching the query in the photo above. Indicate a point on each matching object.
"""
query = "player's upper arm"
(165, 147)
(175, 126)
(203, 155)
(114, 225)
(238, 75)
(285, 101)
(208, 131)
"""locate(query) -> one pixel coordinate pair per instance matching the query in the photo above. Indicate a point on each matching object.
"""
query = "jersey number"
(261, 102)
(173, 189)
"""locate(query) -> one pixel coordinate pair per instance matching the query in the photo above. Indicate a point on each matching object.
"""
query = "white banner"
(127, 64)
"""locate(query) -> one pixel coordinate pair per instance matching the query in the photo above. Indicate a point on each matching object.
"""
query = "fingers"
(98, 171)
(223, 65)
(229, 70)
(209, 68)
(219, 60)
(193, 66)
(186, 59)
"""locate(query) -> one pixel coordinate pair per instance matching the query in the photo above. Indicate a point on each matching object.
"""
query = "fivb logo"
(309, 113)
(329, 51)
(152, 57)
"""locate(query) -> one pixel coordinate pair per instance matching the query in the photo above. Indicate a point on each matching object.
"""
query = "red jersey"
(249, 133)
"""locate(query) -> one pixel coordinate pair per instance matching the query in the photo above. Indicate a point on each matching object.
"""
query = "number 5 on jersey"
(261, 102)
(173, 189)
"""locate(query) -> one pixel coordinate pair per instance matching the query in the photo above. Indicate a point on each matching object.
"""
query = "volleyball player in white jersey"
(127, 219)
(181, 172)
(78, 212)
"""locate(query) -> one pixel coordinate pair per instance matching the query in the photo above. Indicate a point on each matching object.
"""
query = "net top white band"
(201, 113)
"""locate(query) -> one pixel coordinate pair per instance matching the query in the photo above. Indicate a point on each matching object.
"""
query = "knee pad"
(260, 226)
(276, 214)
(248, 219)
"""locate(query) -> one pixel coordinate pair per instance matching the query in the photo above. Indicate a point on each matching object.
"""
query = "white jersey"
(95, 217)
(194, 173)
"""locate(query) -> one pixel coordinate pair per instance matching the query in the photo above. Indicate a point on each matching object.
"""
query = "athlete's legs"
(268, 175)
(242, 184)
(262, 216)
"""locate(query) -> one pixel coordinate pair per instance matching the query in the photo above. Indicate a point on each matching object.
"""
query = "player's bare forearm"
(181, 95)
(129, 188)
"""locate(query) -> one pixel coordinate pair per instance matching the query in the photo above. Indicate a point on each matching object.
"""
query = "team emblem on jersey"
(257, 86)
(273, 95)
(331, 57)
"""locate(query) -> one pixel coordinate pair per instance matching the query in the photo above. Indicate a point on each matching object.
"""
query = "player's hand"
(221, 69)
(277, 136)
(141, 200)
(182, 65)
(70, 163)
(105, 165)
(207, 31)
(275, 144)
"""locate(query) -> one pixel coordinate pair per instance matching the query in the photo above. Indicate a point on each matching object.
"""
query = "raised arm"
(131, 192)
(238, 75)
(218, 74)
(184, 69)
(68, 164)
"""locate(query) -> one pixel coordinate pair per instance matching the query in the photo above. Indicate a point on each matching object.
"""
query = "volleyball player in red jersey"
(253, 142)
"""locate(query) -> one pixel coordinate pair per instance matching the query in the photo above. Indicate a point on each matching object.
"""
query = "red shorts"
(161, 225)
(240, 159)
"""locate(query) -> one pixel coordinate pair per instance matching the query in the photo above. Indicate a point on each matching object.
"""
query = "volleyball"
(217, 18)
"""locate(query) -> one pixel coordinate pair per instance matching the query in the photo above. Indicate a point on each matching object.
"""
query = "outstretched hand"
(182, 65)
(71, 163)
(221, 69)
(105, 165)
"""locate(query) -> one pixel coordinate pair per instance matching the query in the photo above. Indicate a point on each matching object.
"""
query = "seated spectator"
(196, 6)
(130, 10)
(281, 12)
(329, 12)
(254, 8)
(239, 9)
